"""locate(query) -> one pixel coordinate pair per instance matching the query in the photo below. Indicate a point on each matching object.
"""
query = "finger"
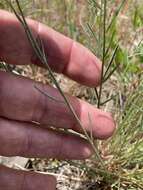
(64, 55)
(28, 140)
(16, 180)
(20, 100)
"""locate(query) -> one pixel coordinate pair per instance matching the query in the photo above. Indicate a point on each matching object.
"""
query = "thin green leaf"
(116, 14)
(111, 61)
(111, 73)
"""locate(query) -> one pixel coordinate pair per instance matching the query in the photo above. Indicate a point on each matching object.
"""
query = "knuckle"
(26, 146)
(40, 108)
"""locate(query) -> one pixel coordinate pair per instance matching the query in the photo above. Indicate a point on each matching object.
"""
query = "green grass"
(87, 22)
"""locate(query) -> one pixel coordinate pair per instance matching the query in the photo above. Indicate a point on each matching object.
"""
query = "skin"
(26, 115)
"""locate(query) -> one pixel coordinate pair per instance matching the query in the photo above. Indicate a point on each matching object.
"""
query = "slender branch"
(104, 50)
(111, 61)
(106, 101)
(48, 95)
(43, 58)
(111, 73)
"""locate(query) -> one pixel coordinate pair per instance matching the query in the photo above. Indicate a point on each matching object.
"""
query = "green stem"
(104, 51)
(42, 57)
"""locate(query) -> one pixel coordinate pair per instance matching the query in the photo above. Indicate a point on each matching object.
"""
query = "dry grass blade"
(48, 95)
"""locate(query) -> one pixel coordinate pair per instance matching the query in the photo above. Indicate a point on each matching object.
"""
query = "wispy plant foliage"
(39, 51)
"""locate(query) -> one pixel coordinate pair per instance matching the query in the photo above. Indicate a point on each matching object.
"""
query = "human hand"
(26, 115)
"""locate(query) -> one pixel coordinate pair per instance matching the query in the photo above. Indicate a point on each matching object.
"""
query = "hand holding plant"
(26, 114)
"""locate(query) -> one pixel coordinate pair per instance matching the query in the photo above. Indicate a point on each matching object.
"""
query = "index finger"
(64, 55)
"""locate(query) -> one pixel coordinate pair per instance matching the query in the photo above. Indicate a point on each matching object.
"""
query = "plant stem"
(104, 51)
(43, 58)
